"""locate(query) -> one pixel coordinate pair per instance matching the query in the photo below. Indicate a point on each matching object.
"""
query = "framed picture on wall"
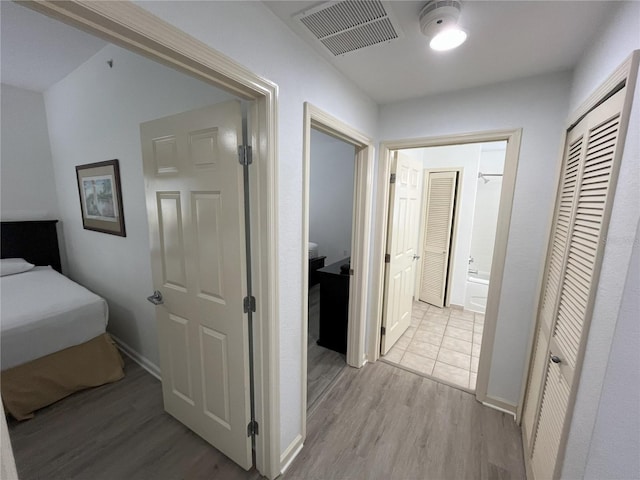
(101, 197)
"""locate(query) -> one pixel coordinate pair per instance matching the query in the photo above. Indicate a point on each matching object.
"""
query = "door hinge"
(383, 331)
(393, 178)
(252, 428)
(244, 155)
(249, 304)
(351, 272)
(387, 258)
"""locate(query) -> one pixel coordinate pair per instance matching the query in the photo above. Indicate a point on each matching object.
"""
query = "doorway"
(454, 245)
(331, 195)
(468, 323)
(316, 120)
(139, 31)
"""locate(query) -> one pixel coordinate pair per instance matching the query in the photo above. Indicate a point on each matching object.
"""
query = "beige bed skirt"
(43, 381)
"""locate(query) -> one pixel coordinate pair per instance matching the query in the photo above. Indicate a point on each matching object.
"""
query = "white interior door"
(402, 239)
(584, 199)
(194, 190)
(439, 199)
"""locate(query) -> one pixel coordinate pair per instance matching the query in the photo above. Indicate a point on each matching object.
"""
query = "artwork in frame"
(101, 197)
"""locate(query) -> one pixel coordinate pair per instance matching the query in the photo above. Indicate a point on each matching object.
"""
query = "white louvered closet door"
(440, 198)
(582, 206)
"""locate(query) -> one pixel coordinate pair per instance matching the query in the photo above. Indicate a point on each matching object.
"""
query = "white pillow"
(11, 266)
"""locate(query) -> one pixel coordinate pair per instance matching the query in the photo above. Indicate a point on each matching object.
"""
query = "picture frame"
(101, 197)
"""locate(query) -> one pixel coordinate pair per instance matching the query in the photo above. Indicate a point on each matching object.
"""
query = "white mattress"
(43, 312)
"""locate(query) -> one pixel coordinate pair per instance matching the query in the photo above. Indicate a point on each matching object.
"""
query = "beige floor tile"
(418, 363)
(439, 311)
(457, 359)
(409, 332)
(403, 342)
(394, 355)
(463, 314)
(458, 376)
(420, 306)
(456, 345)
(474, 364)
(475, 351)
(428, 337)
(433, 318)
(432, 327)
(479, 318)
(424, 349)
(458, 333)
(478, 327)
(477, 338)
(459, 323)
(415, 322)
(472, 381)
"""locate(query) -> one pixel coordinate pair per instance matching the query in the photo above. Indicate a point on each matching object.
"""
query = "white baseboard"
(289, 455)
(501, 406)
(141, 360)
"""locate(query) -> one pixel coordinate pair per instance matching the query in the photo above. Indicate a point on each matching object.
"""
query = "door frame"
(423, 221)
(138, 30)
(513, 138)
(360, 240)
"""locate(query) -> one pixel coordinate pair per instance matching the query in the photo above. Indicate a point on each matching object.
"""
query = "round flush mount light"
(439, 22)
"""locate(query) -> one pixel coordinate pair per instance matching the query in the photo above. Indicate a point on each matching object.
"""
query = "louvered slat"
(585, 237)
(538, 362)
(439, 211)
(552, 414)
(561, 230)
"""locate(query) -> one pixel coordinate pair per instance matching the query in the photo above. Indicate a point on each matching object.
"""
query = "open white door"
(194, 190)
(401, 256)
(439, 201)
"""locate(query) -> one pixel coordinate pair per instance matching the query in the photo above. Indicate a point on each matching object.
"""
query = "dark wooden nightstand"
(314, 265)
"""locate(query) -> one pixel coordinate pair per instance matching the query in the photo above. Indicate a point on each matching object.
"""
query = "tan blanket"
(43, 381)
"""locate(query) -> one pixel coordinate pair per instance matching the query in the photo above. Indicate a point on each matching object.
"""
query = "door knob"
(156, 298)
(555, 359)
(416, 257)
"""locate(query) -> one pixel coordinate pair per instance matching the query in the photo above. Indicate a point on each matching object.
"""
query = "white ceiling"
(507, 40)
(38, 51)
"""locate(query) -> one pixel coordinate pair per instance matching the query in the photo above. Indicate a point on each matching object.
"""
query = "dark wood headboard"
(35, 241)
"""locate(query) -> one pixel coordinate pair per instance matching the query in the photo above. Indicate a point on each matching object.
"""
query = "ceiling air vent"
(349, 25)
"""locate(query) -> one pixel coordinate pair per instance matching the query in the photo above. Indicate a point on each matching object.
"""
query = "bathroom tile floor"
(442, 343)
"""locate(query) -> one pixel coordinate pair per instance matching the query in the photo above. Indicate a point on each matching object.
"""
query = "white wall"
(616, 40)
(485, 213)
(538, 105)
(27, 187)
(465, 157)
(94, 114)
(593, 420)
(615, 443)
(331, 196)
(253, 36)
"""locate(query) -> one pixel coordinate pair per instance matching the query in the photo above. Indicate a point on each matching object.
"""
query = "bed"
(53, 331)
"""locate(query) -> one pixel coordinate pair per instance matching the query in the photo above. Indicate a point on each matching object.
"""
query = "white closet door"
(583, 203)
(565, 206)
(440, 198)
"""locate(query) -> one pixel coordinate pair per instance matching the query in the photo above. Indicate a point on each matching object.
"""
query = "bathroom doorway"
(455, 244)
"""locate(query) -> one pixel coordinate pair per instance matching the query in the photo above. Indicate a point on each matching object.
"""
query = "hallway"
(382, 422)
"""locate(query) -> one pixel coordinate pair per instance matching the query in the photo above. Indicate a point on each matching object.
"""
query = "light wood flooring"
(115, 432)
(379, 422)
(323, 365)
(382, 422)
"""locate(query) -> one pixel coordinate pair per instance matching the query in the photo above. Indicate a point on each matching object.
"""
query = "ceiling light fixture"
(439, 22)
